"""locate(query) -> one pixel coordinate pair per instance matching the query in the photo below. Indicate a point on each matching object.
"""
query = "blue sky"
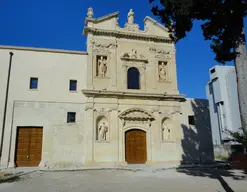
(59, 24)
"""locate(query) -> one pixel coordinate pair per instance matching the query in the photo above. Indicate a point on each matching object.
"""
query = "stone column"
(90, 62)
(113, 64)
(121, 142)
(13, 147)
(143, 78)
(114, 131)
(89, 130)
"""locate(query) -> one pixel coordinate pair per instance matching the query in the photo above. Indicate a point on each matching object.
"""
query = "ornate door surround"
(135, 119)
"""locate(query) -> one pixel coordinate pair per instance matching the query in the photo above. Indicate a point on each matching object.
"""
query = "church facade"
(116, 104)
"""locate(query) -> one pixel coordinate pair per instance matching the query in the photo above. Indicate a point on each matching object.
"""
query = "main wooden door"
(28, 147)
(135, 147)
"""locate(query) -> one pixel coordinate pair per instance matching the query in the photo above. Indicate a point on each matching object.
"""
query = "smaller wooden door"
(135, 147)
(28, 147)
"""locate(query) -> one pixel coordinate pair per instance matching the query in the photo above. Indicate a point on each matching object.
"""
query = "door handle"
(27, 156)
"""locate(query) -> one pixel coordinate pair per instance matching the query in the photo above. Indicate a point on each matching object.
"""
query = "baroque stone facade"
(130, 109)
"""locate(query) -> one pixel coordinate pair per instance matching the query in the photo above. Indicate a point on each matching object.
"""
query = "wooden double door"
(135, 147)
(28, 146)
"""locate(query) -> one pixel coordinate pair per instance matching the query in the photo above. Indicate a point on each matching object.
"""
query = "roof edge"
(103, 18)
(43, 50)
(156, 22)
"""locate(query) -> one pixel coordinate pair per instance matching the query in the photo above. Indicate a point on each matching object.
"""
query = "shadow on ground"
(10, 179)
(198, 150)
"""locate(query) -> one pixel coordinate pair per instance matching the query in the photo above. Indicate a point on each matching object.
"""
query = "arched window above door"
(133, 78)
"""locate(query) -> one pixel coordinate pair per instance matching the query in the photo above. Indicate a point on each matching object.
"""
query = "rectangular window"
(33, 83)
(212, 70)
(72, 85)
(71, 117)
(191, 120)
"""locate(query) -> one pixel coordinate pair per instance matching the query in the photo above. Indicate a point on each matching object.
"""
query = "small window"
(191, 120)
(71, 117)
(33, 83)
(212, 70)
(73, 85)
(133, 78)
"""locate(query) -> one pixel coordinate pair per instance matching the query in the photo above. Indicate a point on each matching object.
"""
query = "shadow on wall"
(197, 141)
(197, 147)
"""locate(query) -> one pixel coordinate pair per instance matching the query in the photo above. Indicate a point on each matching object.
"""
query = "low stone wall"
(223, 152)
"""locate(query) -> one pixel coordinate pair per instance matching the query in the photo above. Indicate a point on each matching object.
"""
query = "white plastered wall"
(53, 69)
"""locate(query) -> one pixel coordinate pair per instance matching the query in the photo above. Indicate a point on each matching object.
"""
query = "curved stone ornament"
(136, 115)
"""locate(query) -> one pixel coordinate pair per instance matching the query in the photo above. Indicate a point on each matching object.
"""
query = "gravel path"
(121, 181)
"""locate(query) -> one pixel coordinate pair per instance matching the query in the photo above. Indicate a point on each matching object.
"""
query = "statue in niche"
(166, 132)
(163, 71)
(131, 17)
(102, 66)
(103, 128)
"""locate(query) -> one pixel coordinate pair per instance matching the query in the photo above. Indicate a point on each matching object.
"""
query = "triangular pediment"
(108, 26)
(155, 28)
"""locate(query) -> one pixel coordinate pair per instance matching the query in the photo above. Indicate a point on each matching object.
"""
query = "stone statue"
(162, 71)
(102, 67)
(131, 17)
(102, 132)
(133, 54)
(90, 12)
(166, 132)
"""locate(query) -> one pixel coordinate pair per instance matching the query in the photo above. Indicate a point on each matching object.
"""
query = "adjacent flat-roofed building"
(115, 104)
(223, 101)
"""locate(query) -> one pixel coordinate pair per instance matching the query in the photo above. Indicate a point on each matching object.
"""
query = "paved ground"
(127, 181)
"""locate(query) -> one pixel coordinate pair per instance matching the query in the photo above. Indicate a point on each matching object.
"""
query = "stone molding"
(127, 35)
(140, 95)
(160, 51)
(104, 46)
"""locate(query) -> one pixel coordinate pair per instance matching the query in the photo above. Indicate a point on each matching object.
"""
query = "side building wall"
(224, 107)
(46, 106)
(197, 142)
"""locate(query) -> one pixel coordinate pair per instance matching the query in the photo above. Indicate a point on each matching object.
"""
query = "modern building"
(115, 104)
(223, 102)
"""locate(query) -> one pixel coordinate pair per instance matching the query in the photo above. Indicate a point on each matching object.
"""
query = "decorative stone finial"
(90, 12)
(131, 17)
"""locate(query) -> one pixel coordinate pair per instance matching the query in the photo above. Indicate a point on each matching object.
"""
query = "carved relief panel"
(162, 59)
(102, 58)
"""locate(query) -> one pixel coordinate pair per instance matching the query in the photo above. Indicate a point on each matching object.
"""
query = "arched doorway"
(135, 146)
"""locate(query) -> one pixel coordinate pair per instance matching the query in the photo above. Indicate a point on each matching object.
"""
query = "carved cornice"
(139, 95)
(164, 57)
(127, 34)
(159, 51)
(104, 46)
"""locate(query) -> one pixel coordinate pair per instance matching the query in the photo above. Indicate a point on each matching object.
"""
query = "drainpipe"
(6, 102)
